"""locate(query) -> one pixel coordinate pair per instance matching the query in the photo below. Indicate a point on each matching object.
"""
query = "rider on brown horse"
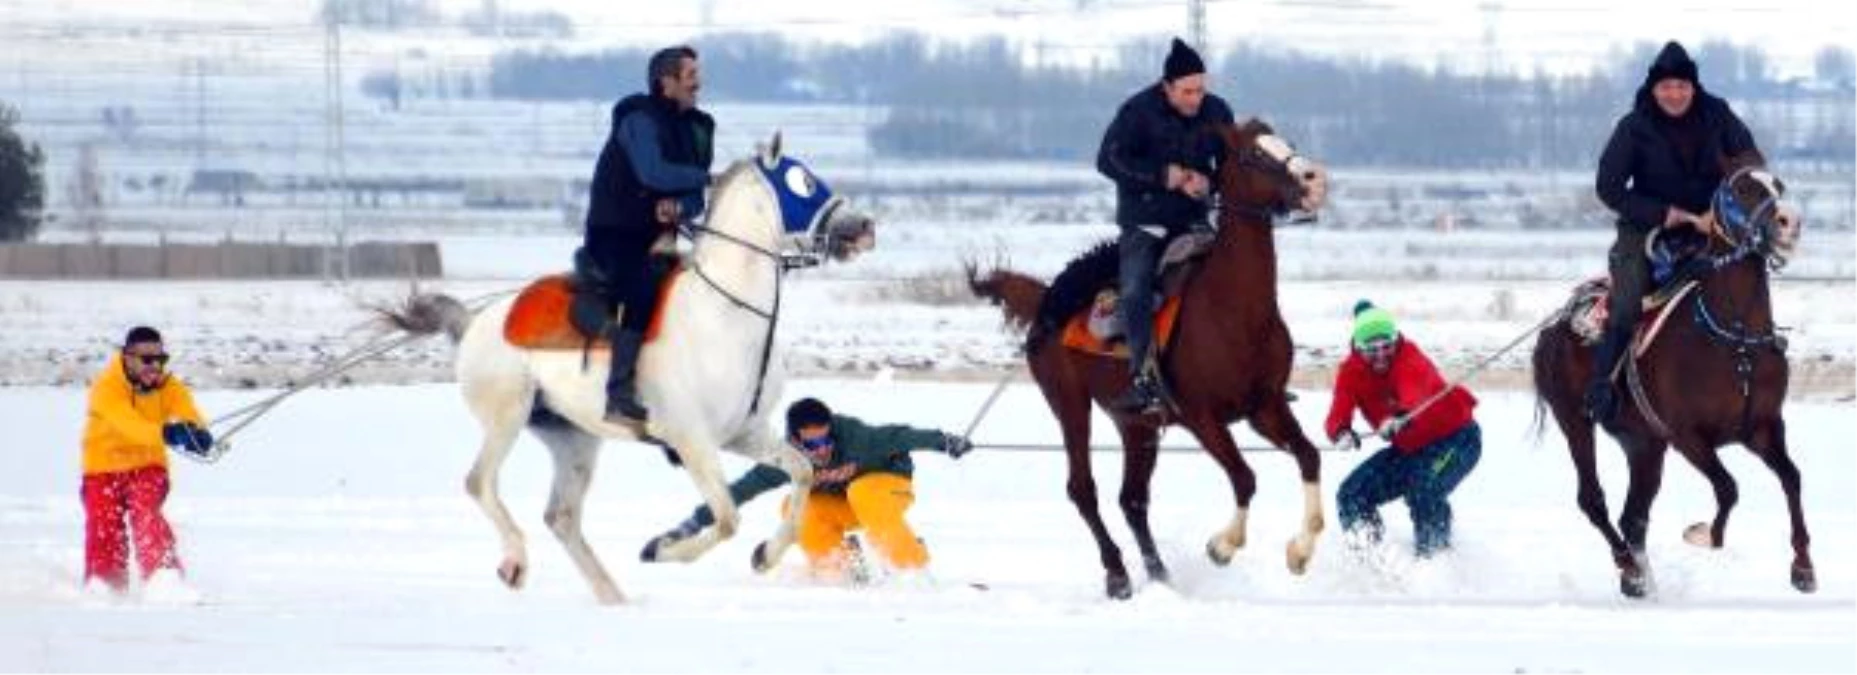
(1159, 153)
(650, 175)
(1658, 170)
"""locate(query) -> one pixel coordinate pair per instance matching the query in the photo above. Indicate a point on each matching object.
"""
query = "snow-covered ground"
(336, 537)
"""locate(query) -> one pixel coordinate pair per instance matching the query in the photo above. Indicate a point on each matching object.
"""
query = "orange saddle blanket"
(540, 319)
(1078, 336)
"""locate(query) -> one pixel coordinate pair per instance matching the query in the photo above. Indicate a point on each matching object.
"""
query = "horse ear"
(1750, 157)
(769, 151)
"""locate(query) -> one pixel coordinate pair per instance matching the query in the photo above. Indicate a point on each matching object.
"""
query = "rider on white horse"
(709, 377)
(650, 175)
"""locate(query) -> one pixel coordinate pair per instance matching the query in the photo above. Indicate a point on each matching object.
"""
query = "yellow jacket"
(122, 431)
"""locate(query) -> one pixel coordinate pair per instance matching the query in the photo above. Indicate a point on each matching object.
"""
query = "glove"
(1391, 427)
(1347, 441)
(174, 434)
(956, 446)
(188, 438)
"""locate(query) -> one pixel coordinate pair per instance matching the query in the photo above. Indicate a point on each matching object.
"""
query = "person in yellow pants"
(861, 477)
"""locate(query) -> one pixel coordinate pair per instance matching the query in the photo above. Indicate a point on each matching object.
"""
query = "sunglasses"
(157, 360)
(819, 443)
(1377, 348)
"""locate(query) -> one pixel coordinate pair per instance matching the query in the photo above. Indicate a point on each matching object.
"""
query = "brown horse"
(1228, 360)
(1717, 374)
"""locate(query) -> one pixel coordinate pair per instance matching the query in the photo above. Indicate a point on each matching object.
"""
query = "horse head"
(1260, 172)
(815, 222)
(1749, 211)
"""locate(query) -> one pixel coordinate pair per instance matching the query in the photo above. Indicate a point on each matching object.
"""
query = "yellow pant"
(875, 502)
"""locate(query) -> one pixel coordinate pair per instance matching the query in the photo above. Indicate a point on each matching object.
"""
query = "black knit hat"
(807, 412)
(141, 334)
(1181, 62)
(1672, 62)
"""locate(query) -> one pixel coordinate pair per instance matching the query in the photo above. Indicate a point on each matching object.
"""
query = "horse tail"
(1018, 295)
(426, 314)
(1547, 364)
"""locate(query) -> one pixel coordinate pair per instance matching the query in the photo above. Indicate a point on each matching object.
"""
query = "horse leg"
(1769, 442)
(799, 469)
(502, 420)
(1070, 402)
(1217, 441)
(1277, 424)
(1581, 446)
(699, 459)
(1645, 457)
(1709, 463)
(576, 455)
(1140, 448)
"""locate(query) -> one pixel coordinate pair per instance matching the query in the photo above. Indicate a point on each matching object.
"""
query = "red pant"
(138, 494)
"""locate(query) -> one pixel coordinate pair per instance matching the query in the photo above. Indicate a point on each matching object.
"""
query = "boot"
(622, 405)
(1601, 397)
(1143, 395)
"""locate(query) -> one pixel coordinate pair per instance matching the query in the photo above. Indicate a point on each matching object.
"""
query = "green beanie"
(1372, 323)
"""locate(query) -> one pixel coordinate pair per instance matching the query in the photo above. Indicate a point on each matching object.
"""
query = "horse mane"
(736, 170)
(1075, 289)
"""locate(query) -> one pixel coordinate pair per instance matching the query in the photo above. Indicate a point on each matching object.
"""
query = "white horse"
(710, 378)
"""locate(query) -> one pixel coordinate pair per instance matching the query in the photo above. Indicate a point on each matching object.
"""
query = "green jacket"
(857, 449)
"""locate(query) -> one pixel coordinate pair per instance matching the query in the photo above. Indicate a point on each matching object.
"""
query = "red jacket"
(1411, 379)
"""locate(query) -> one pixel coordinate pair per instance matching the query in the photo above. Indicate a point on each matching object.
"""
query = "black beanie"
(1672, 62)
(1181, 62)
(807, 412)
(141, 334)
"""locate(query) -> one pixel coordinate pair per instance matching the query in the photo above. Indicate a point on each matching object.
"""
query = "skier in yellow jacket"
(137, 410)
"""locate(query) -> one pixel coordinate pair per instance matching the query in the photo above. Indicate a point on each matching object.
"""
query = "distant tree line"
(981, 99)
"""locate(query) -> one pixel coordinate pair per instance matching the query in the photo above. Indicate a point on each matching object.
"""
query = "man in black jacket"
(1659, 170)
(650, 175)
(1159, 150)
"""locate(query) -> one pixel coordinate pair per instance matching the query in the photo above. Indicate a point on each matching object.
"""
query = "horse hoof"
(759, 559)
(1698, 534)
(1633, 586)
(1220, 559)
(1157, 572)
(1119, 587)
(1296, 558)
(512, 573)
(1805, 580)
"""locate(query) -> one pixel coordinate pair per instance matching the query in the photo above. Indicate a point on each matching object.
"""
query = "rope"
(239, 418)
(988, 405)
(1480, 366)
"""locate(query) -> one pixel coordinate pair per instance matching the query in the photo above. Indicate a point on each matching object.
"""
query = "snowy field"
(336, 537)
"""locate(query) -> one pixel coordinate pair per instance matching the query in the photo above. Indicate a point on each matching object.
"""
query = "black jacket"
(1654, 161)
(1146, 136)
(622, 197)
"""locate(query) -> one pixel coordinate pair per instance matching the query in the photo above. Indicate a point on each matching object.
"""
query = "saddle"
(570, 310)
(1100, 330)
(1676, 258)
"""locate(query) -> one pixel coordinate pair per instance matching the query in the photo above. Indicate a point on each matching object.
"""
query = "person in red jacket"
(1434, 441)
(137, 410)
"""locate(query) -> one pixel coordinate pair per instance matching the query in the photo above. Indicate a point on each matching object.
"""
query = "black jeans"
(622, 262)
(1141, 253)
(1631, 276)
